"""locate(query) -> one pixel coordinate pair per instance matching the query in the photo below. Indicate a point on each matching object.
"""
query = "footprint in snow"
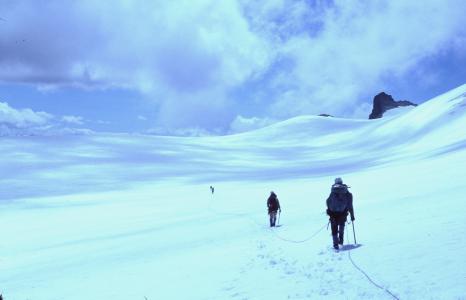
(323, 292)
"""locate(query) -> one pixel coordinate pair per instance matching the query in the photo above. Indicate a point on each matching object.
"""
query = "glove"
(352, 218)
(280, 210)
(328, 212)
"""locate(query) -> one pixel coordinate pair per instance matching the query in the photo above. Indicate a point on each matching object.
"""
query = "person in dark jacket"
(339, 204)
(273, 206)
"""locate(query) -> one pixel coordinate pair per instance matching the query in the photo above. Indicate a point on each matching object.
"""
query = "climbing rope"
(370, 279)
(210, 207)
(298, 241)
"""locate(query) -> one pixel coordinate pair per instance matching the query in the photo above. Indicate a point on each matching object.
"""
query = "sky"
(206, 67)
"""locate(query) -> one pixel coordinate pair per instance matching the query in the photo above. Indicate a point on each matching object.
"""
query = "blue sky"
(217, 67)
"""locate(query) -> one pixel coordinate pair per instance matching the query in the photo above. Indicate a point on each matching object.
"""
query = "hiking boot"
(335, 240)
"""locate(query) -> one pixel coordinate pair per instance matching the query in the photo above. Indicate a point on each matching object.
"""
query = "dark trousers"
(273, 217)
(337, 223)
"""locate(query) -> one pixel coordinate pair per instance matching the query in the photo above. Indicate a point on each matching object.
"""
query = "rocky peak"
(384, 102)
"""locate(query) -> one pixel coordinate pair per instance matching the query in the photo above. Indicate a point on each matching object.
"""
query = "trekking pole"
(354, 234)
(279, 213)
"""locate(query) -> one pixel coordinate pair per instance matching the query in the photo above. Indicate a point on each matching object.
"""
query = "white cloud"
(181, 46)
(76, 120)
(181, 54)
(26, 122)
(22, 118)
(359, 46)
(142, 118)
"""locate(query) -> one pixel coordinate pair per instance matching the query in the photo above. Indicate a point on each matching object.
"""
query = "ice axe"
(354, 233)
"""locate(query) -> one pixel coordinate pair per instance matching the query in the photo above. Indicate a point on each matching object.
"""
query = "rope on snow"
(298, 241)
(370, 279)
(212, 209)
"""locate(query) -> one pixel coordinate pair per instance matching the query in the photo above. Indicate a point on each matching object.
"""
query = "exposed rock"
(325, 115)
(384, 102)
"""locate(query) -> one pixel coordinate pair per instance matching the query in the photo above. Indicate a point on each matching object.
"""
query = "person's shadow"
(350, 247)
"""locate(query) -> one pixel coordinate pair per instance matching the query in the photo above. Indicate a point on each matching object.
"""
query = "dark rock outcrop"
(384, 102)
(325, 115)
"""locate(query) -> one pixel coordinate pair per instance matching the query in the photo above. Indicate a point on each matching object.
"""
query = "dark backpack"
(272, 203)
(338, 201)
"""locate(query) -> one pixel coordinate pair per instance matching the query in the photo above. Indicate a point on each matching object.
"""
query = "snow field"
(129, 217)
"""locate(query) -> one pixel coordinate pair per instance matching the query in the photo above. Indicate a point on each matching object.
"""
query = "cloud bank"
(26, 122)
(203, 63)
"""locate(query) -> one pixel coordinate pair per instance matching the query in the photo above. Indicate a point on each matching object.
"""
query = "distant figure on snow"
(212, 189)
(339, 203)
(273, 206)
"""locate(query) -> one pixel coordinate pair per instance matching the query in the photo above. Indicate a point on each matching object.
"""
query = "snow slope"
(131, 217)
